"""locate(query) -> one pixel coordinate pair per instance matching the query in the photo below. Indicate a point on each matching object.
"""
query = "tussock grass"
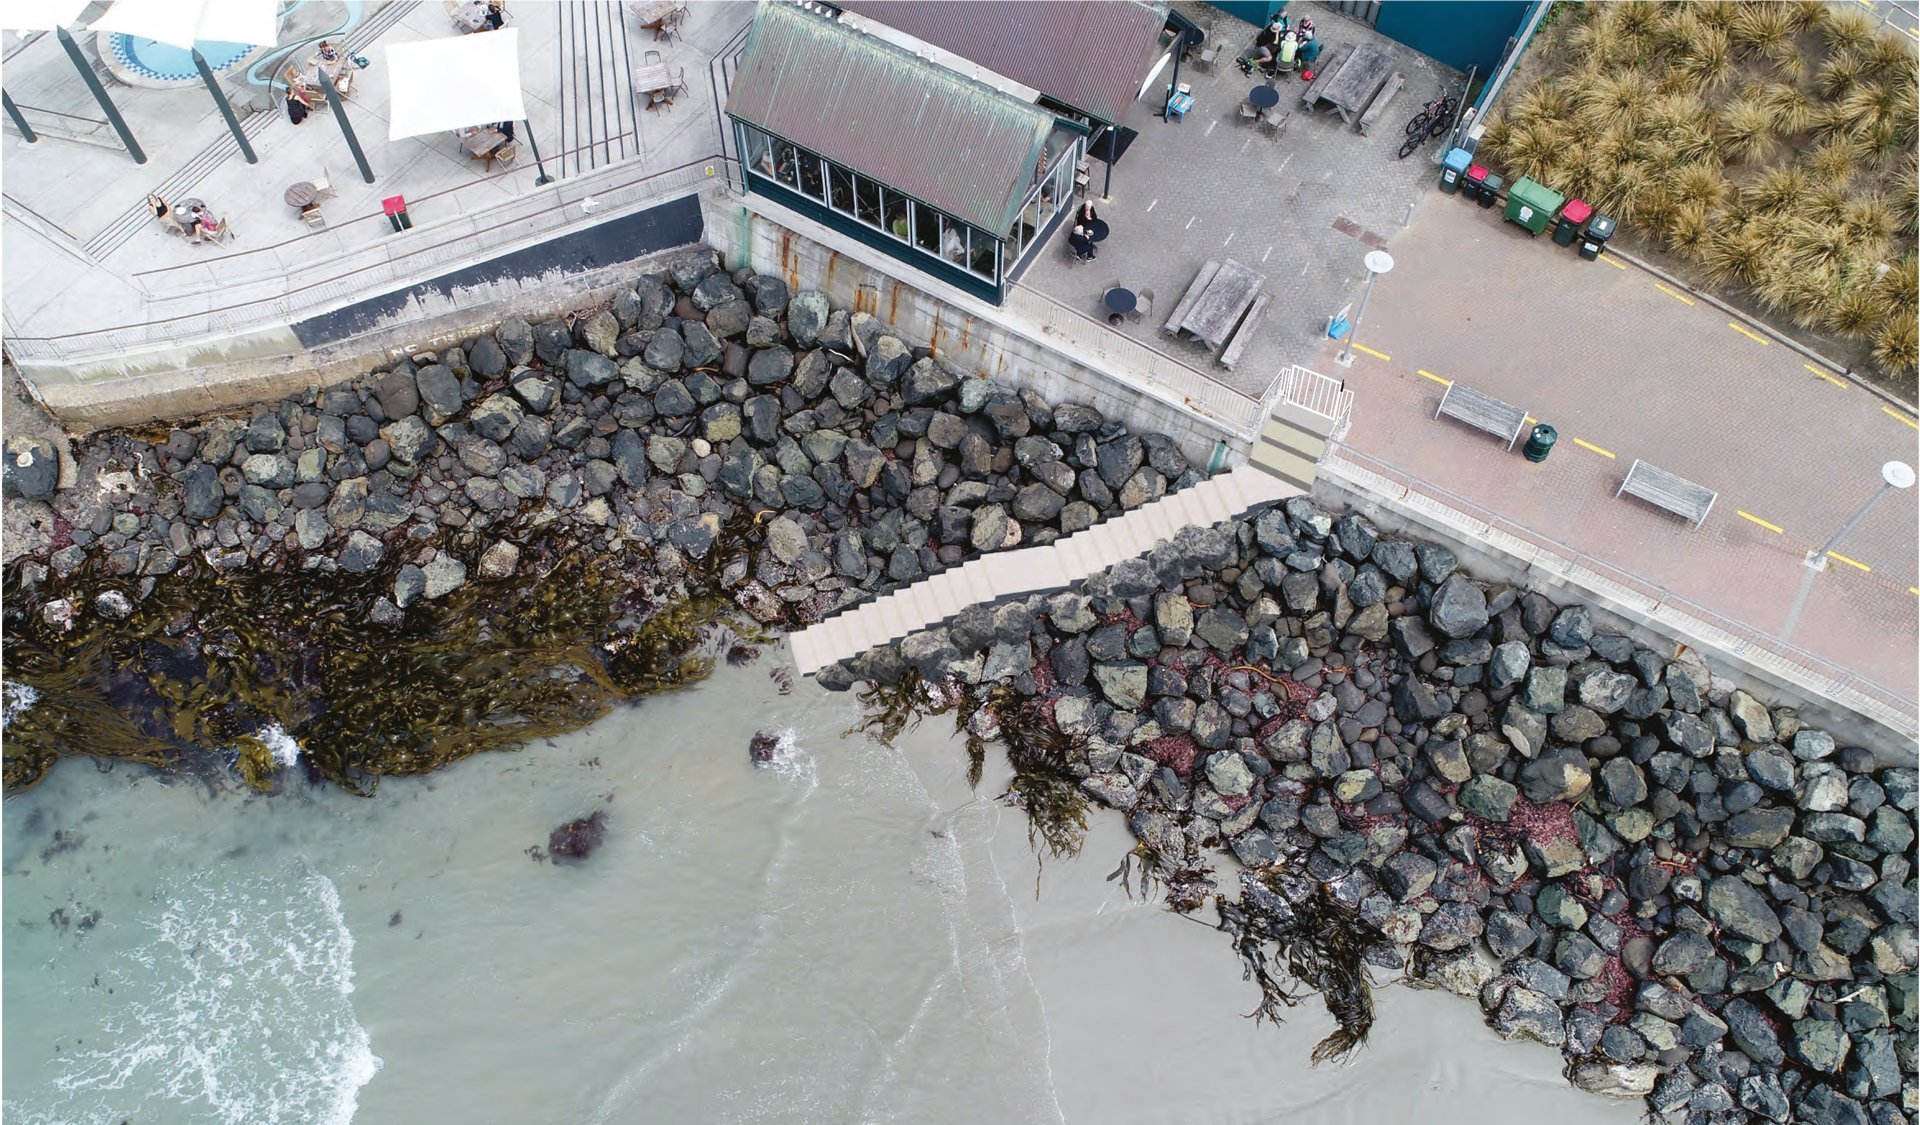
(1847, 31)
(1896, 346)
(1764, 27)
(1771, 141)
(1745, 130)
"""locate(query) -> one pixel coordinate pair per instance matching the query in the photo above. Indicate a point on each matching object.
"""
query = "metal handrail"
(1084, 336)
(304, 287)
(1845, 686)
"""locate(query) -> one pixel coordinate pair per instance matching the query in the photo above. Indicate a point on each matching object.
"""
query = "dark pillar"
(19, 122)
(543, 179)
(226, 110)
(346, 127)
(100, 95)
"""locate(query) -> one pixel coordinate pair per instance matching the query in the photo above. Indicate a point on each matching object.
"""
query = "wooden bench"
(1380, 101)
(1311, 96)
(1237, 343)
(1483, 412)
(1662, 489)
(1199, 286)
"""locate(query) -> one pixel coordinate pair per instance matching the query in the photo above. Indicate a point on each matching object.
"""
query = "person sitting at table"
(504, 128)
(1082, 245)
(299, 98)
(1088, 216)
(952, 247)
(201, 223)
(1266, 46)
(1309, 43)
(495, 17)
(163, 212)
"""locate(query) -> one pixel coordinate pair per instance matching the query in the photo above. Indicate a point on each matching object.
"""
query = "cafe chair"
(652, 58)
(506, 153)
(323, 183)
(1144, 306)
(311, 214)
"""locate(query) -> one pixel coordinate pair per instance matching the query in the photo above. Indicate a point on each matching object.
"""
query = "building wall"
(965, 331)
(1459, 33)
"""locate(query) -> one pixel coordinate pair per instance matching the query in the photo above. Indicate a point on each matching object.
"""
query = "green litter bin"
(1532, 204)
(1540, 443)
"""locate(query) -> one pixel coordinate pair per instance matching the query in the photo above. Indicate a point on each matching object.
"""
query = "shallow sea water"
(850, 935)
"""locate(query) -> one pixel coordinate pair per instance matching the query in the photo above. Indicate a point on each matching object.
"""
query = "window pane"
(926, 228)
(983, 248)
(893, 207)
(841, 181)
(953, 241)
(759, 150)
(784, 163)
(812, 182)
(866, 201)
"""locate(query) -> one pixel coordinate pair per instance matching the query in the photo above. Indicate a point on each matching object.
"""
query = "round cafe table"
(1100, 230)
(1263, 97)
(1118, 300)
(302, 194)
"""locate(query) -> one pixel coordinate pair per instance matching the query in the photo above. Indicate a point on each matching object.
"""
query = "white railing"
(285, 282)
(1086, 338)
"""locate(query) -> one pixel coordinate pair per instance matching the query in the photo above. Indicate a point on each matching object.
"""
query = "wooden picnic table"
(1222, 299)
(1360, 77)
(481, 143)
(651, 11)
(659, 77)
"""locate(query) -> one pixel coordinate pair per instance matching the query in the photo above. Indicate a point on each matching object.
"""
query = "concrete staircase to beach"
(1308, 409)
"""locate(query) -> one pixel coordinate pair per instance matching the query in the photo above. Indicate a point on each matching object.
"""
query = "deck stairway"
(1308, 409)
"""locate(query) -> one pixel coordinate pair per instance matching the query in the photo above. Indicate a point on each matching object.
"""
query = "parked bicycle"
(1433, 120)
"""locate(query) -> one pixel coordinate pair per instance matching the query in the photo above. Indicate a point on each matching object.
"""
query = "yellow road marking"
(1680, 297)
(1608, 258)
(1838, 557)
(1590, 447)
(1528, 420)
(1773, 527)
(1891, 412)
(1913, 590)
(1824, 375)
(1371, 352)
(1430, 375)
(1761, 340)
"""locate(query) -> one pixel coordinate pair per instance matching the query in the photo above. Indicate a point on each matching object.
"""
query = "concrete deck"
(82, 255)
(1215, 187)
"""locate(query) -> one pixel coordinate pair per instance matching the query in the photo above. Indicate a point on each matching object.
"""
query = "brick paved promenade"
(1625, 369)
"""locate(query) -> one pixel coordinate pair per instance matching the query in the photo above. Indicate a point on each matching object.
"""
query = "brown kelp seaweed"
(1044, 785)
(1318, 941)
(210, 658)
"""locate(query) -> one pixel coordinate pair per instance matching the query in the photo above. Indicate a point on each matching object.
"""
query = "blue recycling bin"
(1452, 168)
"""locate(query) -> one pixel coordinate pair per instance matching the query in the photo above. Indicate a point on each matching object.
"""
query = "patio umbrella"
(47, 15)
(439, 85)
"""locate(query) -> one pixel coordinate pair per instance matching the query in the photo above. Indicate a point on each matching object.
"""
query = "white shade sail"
(443, 84)
(181, 23)
(43, 15)
(254, 22)
(172, 22)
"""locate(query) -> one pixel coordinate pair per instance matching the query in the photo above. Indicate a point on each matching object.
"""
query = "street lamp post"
(1893, 475)
(1378, 262)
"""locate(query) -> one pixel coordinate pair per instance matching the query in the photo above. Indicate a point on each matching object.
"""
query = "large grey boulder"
(1459, 608)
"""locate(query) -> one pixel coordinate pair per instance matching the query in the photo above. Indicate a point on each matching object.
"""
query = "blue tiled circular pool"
(161, 62)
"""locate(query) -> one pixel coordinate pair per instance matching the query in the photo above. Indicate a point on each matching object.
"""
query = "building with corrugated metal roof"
(944, 163)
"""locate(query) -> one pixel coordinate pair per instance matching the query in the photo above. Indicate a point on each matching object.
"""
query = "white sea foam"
(18, 699)
(791, 760)
(285, 749)
(236, 1008)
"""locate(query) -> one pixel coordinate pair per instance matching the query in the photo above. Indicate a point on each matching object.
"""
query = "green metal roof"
(913, 125)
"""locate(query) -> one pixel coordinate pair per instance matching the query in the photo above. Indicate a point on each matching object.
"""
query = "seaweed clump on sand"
(577, 839)
(1315, 940)
(210, 660)
(1045, 784)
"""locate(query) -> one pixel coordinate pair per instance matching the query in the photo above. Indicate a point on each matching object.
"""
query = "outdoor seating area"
(1483, 412)
(664, 18)
(1663, 489)
(1292, 195)
(658, 82)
